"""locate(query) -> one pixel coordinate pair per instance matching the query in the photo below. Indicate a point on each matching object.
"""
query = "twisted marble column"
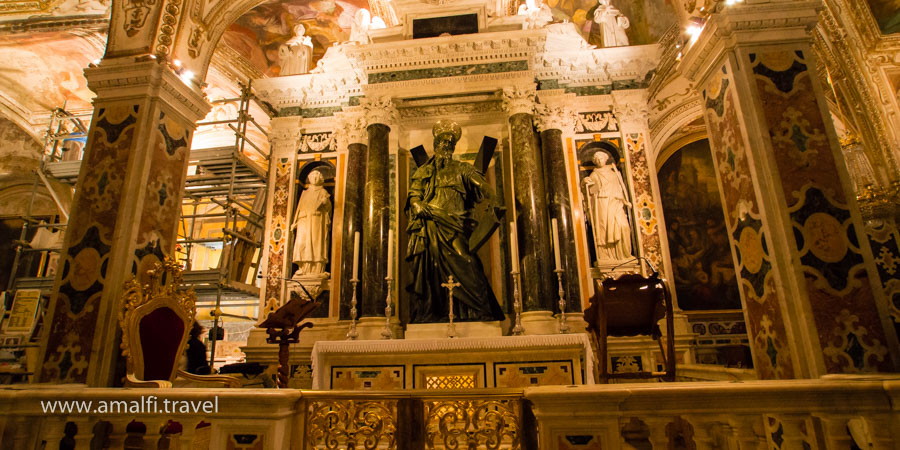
(552, 118)
(538, 286)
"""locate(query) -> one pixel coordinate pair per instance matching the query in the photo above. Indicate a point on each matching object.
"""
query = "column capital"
(776, 22)
(351, 127)
(519, 99)
(554, 112)
(112, 81)
(631, 109)
(379, 109)
(285, 134)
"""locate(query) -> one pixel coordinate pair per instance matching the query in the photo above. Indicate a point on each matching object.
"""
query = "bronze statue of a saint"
(441, 200)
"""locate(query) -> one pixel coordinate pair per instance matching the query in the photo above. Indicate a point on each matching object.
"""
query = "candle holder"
(386, 331)
(352, 334)
(450, 285)
(517, 329)
(563, 325)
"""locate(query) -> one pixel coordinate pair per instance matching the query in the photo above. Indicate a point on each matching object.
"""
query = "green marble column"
(376, 214)
(538, 280)
(353, 209)
(560, 208)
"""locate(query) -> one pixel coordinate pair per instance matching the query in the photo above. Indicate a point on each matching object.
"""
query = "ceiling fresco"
(42, 71)
(887, 14)
(258, 34)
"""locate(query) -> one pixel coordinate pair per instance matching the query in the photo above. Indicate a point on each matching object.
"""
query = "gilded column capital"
(631, 109)
(379, 109)
(519, 99)
(555, 113)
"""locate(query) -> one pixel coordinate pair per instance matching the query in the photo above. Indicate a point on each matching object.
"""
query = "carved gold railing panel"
(343, 424)
(489, 423)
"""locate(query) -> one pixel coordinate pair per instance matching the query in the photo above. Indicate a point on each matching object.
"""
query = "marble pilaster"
(284, 138)
(355, 139)
(124, 215)
(553, 120)
(812, 301)
(532, 219)
(379, 113)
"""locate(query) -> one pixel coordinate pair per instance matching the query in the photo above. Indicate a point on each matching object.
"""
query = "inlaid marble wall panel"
(89, 238)
(278, 235)
(645, 207)
(158, 227)
(766, 328)
(378, 378)
(883, 238)
(826, 237)
(524, 374)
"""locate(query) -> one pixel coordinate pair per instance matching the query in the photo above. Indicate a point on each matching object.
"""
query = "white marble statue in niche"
(313, 224)
(295, 55)
(612, 24)
(607, 200)
(536, 13)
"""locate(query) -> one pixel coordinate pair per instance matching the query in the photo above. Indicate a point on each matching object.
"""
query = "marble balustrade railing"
(837, 413)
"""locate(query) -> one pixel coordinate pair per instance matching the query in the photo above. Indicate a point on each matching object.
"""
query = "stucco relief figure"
(313, 224)
(295, 55)
(441, 199)
(609, 25)
(363, 22)
(536, 13)
(606, 199)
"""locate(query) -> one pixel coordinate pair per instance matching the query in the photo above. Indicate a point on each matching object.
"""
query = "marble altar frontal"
(462, 363)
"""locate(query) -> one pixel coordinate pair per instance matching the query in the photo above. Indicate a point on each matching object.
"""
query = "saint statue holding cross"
(444, 235)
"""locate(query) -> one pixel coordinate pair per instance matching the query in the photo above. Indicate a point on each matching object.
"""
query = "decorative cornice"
(519, 99)
(755, 23)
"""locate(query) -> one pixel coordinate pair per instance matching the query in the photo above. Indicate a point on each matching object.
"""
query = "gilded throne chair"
(631, 305)
(156, 319)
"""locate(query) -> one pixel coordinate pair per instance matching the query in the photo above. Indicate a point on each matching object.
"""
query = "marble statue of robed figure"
(313, 224)
(442, 196)
(606, 200)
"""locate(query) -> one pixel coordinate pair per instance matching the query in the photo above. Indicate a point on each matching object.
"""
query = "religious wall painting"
(649, 19)
(885, 248)
(825, 236)
(886, 14)
(259, 33)
(702, 263)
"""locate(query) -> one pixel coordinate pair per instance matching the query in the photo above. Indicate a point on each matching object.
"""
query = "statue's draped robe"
(439, 247)
(313, 221)
(606, 207)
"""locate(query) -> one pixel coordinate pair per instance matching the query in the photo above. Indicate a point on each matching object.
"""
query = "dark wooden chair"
(631, 305)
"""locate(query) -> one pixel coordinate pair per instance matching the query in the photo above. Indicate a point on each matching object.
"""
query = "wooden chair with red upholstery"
(631, 305)
(156, 319)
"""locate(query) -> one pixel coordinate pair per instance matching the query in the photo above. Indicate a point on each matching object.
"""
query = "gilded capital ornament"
(351, 130)
(519, 99)
(631, 109)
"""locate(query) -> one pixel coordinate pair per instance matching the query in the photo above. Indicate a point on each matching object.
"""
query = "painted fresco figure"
(441, 197)
(607, 29)
(606, 199)
(295, 55)
(313, 224)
